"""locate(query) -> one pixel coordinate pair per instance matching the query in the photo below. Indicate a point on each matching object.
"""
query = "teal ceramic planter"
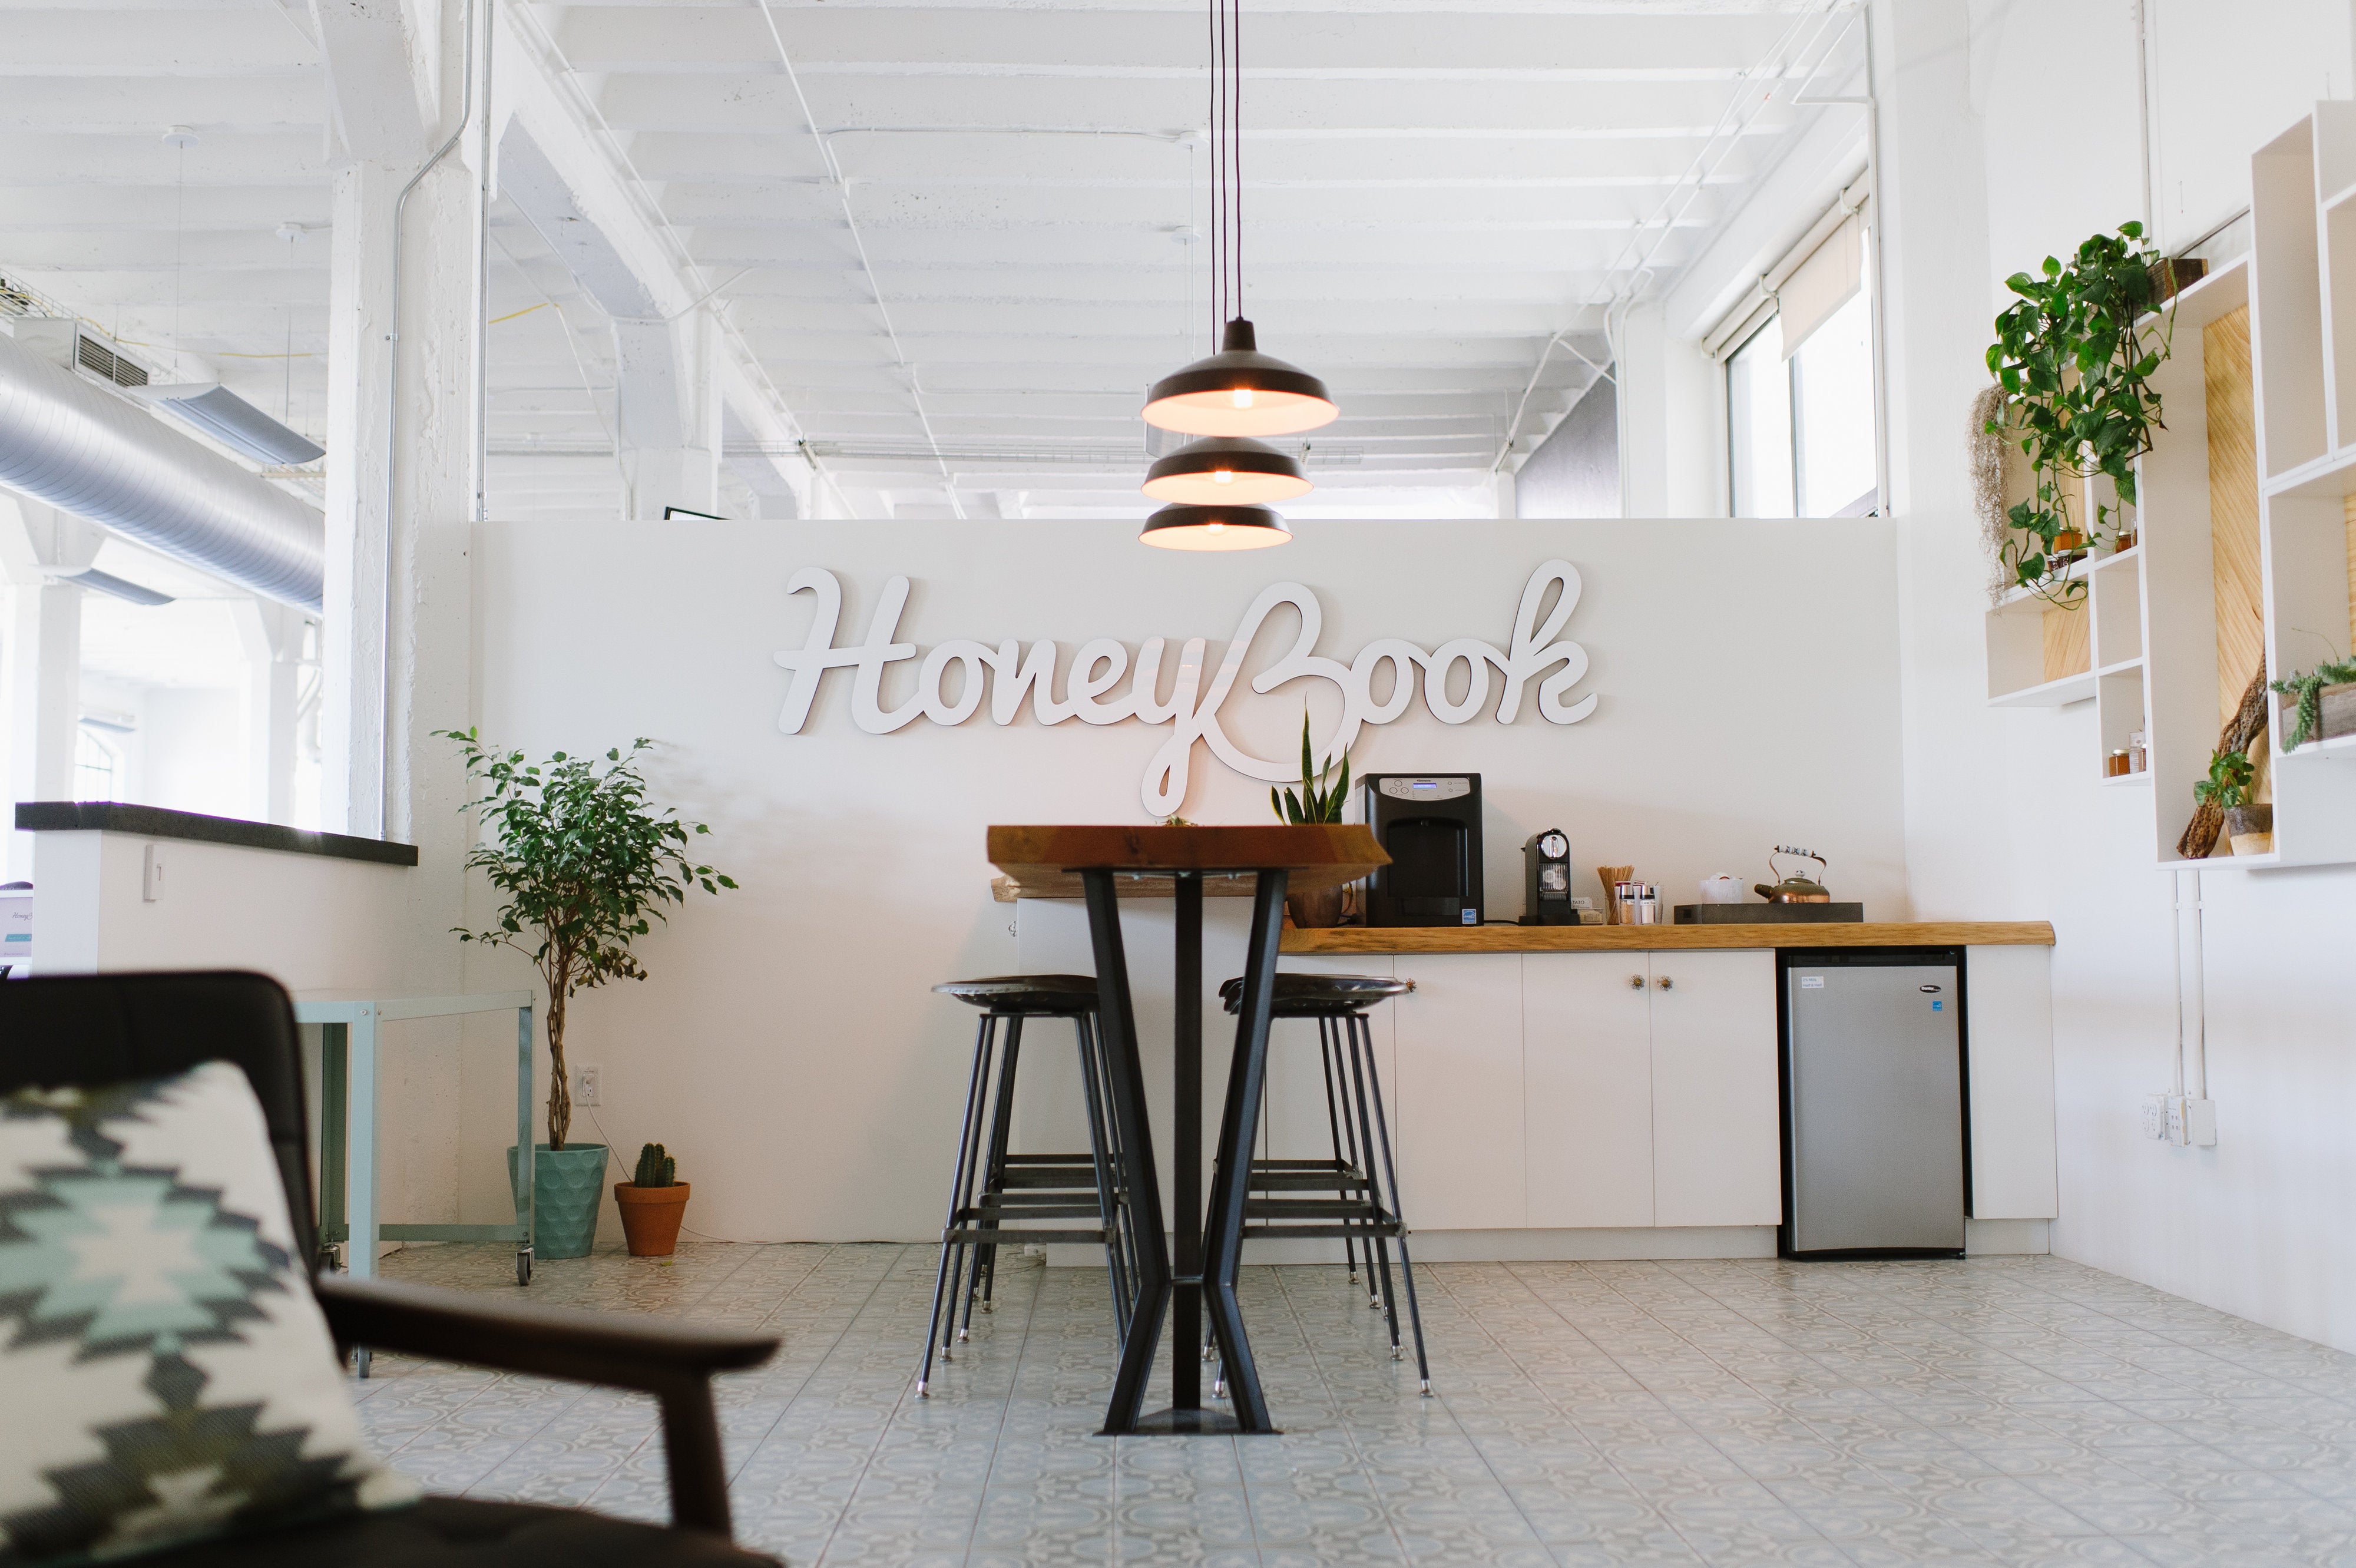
(567, 1185)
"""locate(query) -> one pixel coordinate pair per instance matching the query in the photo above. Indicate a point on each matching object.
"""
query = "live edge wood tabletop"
(1042, 862)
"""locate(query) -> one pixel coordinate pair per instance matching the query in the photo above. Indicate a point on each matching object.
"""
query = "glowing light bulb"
(1216, 527)
(1242, 396)
(1222, 477)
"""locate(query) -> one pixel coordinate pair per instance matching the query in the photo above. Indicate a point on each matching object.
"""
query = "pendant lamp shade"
(1239, 392)
(1214, 528)
(1226, 470)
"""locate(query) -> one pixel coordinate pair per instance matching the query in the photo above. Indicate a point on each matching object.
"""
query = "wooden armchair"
(107, 1028)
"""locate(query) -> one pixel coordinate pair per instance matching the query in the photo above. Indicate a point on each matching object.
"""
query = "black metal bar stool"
(995, 1196)
(1364, 1210)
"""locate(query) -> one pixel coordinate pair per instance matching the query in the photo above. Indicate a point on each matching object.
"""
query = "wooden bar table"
(1179, 1282)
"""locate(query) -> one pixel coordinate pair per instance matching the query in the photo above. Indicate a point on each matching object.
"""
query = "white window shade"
(1828, 279)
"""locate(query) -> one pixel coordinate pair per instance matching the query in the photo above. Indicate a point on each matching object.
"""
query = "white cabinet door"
(1717, 1095)
(1293, 1121)
(1457, 1111)
(2008, 1055)
(1587, 1066)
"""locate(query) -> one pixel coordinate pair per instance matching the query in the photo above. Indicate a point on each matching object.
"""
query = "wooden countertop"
(1044, 862)
(1658, 939)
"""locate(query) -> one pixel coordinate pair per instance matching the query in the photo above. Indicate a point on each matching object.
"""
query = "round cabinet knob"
(1636, 982)
(1663, 982)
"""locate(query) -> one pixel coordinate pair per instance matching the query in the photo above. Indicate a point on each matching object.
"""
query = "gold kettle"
(1795, 887)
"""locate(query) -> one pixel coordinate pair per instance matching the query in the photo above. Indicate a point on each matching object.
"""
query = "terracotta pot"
(1319, 911)
(651, 1216)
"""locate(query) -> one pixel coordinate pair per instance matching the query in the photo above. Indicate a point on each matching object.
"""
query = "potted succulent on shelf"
(652, 1204)
(2073, 359)
(2324, 700)
(582, 863)
(2249, 827)
(1316, 802)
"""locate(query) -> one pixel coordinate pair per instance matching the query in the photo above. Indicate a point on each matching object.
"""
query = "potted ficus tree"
(1317, 801)
(582, 863)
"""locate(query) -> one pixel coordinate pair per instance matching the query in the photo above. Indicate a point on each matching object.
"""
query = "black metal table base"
(1182, 1277)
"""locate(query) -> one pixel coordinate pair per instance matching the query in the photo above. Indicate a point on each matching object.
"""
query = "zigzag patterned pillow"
(164, 1373)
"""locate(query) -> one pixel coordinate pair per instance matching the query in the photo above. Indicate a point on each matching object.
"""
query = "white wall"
(2010, 131)
(788, 1048)
(317, 925)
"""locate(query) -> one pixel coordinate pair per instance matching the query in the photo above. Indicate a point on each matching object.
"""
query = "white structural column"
(396, 660)
(669, 413)
(40, 662)
(272, 636)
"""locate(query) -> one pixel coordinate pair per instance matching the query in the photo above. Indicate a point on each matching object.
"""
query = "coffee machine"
(1545, 880)
(1430, 824)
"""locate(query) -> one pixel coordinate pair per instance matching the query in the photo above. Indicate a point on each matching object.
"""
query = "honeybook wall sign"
(1006, 674)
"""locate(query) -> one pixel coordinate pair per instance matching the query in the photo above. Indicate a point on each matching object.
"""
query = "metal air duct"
(66, 443)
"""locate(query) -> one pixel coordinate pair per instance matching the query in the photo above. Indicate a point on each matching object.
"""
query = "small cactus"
(655, 1167)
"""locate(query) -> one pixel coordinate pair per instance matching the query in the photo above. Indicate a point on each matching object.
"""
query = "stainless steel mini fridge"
(1873, 1103)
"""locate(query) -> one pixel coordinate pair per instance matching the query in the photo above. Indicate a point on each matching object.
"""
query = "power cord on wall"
(616, 1161)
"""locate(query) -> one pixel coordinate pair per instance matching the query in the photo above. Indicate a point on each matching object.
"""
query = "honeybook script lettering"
(1092, 691)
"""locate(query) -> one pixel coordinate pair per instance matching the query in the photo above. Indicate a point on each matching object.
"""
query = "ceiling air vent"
(104, 362)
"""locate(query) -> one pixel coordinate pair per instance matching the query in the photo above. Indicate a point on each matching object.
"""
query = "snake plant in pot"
(1317, 801)
(582, 863)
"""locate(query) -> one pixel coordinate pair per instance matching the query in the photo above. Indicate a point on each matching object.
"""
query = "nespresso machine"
(1430, 824)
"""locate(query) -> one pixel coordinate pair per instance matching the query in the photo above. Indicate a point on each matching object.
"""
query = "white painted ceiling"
(1433, 192)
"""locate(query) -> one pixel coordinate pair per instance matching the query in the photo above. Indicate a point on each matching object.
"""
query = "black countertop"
(156, 822)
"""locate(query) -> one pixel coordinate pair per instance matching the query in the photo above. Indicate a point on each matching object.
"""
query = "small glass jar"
(2138, 754)
(2116, 765)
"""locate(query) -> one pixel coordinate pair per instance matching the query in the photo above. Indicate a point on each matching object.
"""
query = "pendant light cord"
(1218, 126)
(1235, 149)
(1226, 32)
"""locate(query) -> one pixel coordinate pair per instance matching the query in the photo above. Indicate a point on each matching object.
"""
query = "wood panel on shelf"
(2068, 639)
(1666, 939)
(2227, 391)
(2347, 513)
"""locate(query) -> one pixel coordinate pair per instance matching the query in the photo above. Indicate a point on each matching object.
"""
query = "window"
(1831, 415)
(94, 767)
(1759, 423)
(1800, 418)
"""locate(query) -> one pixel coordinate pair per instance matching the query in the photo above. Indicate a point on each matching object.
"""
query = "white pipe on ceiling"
(71, 445)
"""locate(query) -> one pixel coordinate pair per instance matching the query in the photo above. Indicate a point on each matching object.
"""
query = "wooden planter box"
(2339, 711)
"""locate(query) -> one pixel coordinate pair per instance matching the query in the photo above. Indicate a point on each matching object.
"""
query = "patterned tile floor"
(2012, 1411)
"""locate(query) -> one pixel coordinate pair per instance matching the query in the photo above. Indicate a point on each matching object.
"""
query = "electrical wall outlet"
(151, 875)
(584, 1085)
(2201, 1124)
(2176, 1118)
(2154, 1116)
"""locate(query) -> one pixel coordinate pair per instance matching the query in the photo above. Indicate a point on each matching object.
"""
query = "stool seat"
(1031, 996)
(1321, 996)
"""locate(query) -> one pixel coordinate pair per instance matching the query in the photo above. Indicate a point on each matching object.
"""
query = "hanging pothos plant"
(2073, 359)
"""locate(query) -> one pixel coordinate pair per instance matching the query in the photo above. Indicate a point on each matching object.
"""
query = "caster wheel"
(523, 1267)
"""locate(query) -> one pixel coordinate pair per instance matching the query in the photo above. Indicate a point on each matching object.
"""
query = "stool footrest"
(1319, 1232)
(1010, 1237)
(992, 1214)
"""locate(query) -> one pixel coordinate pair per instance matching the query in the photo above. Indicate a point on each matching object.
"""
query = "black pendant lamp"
(1239, 393)
(1226, 470)
(1214, 528)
